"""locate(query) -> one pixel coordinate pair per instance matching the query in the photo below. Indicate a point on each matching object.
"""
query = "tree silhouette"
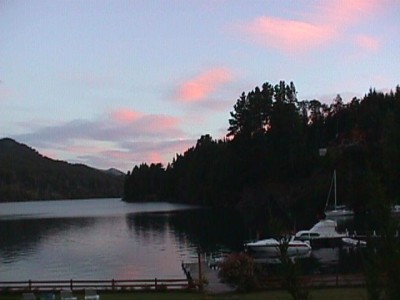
(272, 151)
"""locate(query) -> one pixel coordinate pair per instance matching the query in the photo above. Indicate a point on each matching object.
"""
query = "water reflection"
(20, 237)
(207, 229)
(142, 223)
(82, 241)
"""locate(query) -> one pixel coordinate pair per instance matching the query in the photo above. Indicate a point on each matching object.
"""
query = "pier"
(204, 274)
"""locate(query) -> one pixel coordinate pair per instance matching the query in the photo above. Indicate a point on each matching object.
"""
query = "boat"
(336, 210)
(324, 233)
(271, 247)
(395, 209)
(347, 241)
(261, 258)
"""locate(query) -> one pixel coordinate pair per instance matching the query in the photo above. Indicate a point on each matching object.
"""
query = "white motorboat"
(324, 233)
(271, 247)
(336, 210)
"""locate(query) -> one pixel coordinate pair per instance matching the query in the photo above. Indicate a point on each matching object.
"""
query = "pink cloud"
(125, 115)
(368, 43)
(154, 157)
(154, 151)
(130, 153)
(134, 121)
(345, 12)
(200, 87)
(289, 35)
(323, 24)
(146, 138)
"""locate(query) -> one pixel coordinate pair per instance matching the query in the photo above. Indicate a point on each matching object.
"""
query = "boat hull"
(324, 242)
(272, 249)
(339, 213)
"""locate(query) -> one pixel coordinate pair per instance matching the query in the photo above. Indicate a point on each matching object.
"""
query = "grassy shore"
(323, 294)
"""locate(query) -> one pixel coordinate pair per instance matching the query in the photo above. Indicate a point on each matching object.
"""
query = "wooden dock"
(206, 277)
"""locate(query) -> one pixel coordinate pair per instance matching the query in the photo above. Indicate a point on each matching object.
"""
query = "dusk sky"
(117, 83)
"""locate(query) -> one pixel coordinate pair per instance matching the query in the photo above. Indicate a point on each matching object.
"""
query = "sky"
(113, 83)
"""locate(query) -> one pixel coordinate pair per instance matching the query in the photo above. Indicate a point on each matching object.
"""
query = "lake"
(108, 238)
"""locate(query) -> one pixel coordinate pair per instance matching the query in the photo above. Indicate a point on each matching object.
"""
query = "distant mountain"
(115, 172)
(26, 175)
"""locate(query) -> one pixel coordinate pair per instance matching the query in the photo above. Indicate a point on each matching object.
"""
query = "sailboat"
(337, 210)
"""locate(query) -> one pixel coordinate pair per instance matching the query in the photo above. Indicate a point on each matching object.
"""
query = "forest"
(279, 154)
(27, 175)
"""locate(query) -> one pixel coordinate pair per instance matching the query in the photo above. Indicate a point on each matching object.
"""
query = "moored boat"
(271, 247)
(322, 234)
(339, 211)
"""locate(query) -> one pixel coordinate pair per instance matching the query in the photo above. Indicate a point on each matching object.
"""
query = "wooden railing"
(320, 281)
(273, 282)
(113, 284)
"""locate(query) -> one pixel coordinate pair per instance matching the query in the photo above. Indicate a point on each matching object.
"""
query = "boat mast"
(334, 180)
(333, 184)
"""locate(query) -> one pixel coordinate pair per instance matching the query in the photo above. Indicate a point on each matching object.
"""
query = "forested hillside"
(27, 175)
(271, 155)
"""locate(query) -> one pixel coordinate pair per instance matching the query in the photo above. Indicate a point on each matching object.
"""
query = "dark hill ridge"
(25, 175)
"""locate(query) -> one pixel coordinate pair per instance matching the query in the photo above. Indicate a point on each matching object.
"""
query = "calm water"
(108, 238)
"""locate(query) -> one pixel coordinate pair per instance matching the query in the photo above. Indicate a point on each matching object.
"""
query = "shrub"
(290, 273)
(239, 271)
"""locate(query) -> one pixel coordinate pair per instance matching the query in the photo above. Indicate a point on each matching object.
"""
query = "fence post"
(70, 284)
(200, 271)
(337, 279)
(155, 283)
(112, 284)
(29, 285)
